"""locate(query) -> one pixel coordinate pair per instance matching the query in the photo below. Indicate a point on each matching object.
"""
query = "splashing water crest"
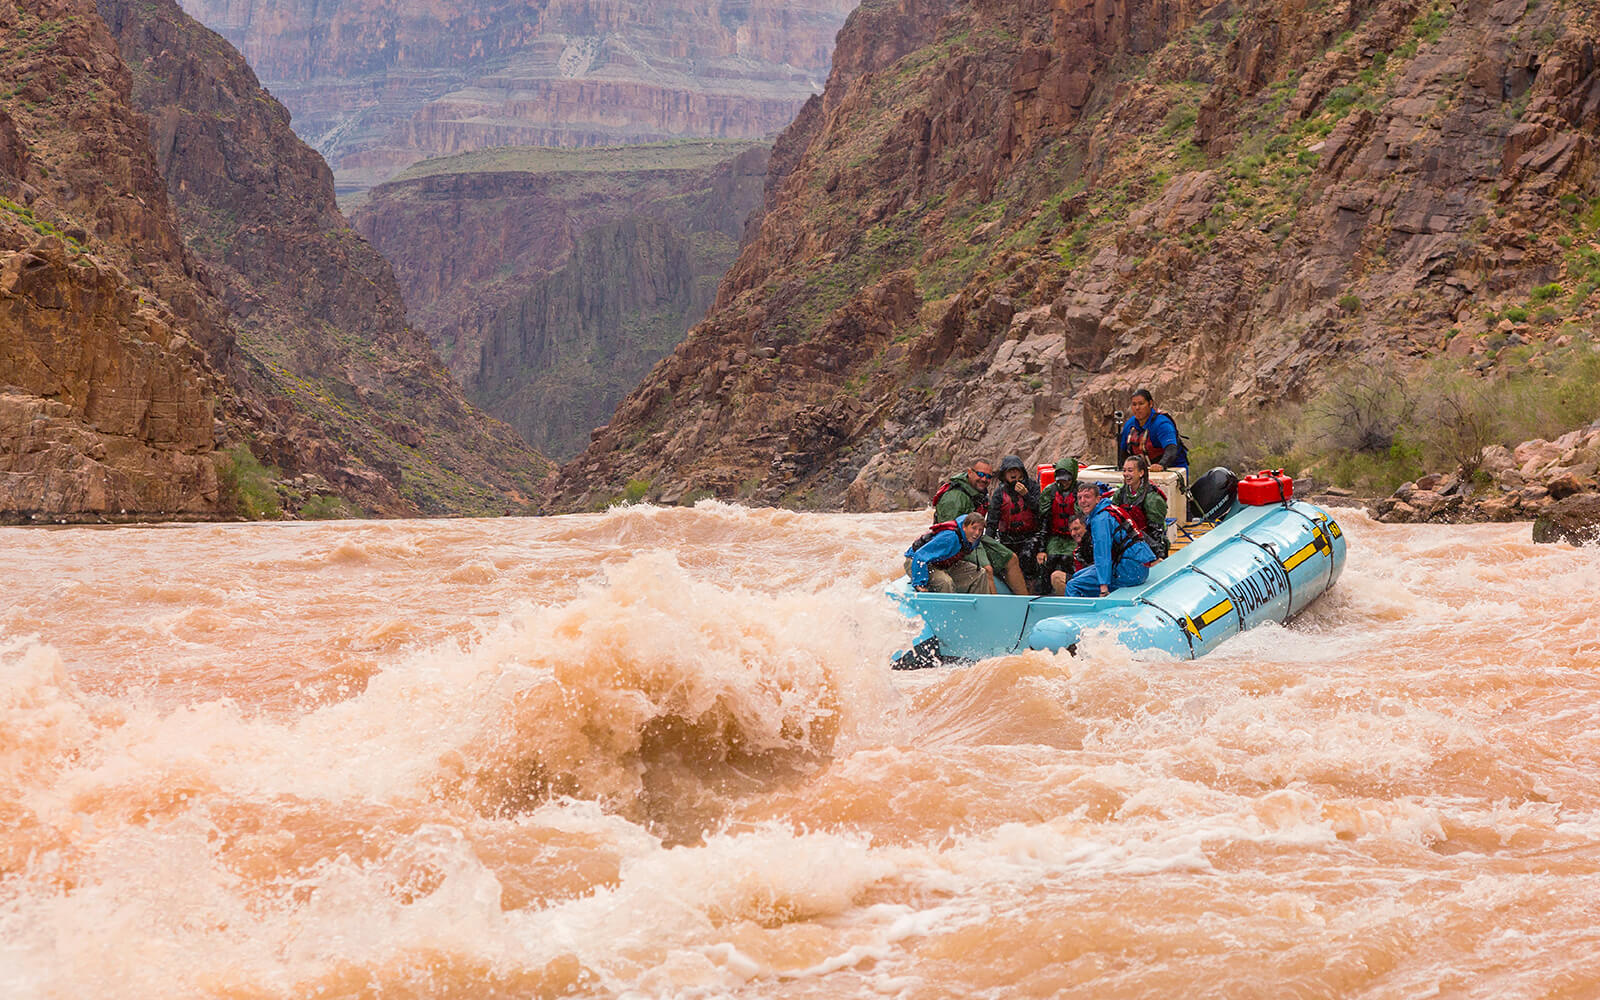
(659, 752)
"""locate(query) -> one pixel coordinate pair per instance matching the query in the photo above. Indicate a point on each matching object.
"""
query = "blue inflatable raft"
(1260, 562)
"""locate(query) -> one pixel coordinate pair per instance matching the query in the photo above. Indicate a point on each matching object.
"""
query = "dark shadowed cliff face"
(109, 340)
(348, 389)
(375, 85)
(997, 221)
(554, 279)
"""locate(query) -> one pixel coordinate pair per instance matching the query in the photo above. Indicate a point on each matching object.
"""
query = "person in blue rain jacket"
(1122, 558)
(937, 561)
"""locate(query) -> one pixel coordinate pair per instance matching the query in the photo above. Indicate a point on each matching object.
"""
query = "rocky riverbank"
(1553, 483)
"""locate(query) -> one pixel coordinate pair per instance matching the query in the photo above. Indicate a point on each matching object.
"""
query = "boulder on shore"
(1574, 519)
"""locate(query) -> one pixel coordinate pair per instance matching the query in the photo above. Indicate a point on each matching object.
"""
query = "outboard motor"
(1213, 493)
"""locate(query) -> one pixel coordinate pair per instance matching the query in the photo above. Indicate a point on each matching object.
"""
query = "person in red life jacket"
(1081, 556)
(1122, 558)
(1145, 502)
(937, 560)
(1014, 514)
(1151, 433)
(1053, 549)
(968, 493)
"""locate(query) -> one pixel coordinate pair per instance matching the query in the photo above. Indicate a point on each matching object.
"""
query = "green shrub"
(1350, 303)
(634, 491)
(1516, 314)
(1377, 472)
(1340, 98)
(328, 508)
(245, 486)
(1548, 404)
(1544, 293)
(1547, 316)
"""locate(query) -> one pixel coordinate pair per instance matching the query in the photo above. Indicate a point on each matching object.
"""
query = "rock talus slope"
(1000, 217)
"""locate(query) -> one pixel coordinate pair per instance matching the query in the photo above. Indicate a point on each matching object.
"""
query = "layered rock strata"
(354, 393)
(109, 343)
(128, 362)
(375, 85)
(553, 280)
(1001, 217)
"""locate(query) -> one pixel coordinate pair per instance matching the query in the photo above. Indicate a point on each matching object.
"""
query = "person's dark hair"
(1079, 519)
(1144, 394)
(1144, 464)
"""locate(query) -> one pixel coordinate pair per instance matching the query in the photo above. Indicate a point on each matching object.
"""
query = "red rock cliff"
(349, 390)
(992, 227)
(108, 400)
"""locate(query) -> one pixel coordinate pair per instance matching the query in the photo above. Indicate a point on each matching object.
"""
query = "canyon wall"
(175, 287)
(375, 85)
(1001, 217)
(552, 280)
(110, 345)
(319, 315)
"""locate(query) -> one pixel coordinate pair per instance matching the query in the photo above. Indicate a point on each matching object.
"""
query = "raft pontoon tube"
(1263, 561)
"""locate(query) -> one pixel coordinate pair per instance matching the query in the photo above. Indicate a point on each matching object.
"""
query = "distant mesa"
(375, 86)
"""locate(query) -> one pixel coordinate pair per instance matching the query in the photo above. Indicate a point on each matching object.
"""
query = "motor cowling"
(1213, 493)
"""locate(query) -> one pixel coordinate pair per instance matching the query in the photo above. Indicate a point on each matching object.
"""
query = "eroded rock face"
(375, 85)
(121, 373)
(107, 394)
(553, 290)
(1227, 204)
(341, 386)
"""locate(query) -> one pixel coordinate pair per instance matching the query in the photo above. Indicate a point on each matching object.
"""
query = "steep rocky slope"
(319, 316)
(375, 85)
(128, 362)
(109, 402)
(999, 217)
(552, 280)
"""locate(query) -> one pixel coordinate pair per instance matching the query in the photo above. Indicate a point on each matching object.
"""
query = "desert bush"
(245, 485)
(1270, 439)
(1362, 411)
(328, 508)
(632, 493)
(1550, 403)
(1458, 419)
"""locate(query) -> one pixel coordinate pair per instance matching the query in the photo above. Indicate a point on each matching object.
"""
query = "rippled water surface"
(658, 752)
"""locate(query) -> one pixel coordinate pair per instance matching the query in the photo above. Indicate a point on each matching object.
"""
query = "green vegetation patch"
(247, 486)
(684, 154)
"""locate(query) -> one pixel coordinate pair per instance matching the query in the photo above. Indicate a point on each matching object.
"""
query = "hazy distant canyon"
(375, 85)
